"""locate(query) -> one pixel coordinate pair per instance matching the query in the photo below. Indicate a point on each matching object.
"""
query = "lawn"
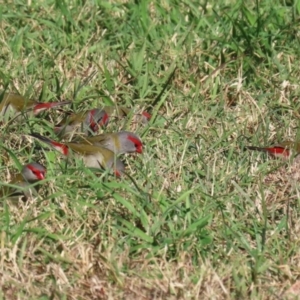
(197, 215)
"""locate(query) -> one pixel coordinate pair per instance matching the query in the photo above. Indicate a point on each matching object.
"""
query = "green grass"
(197, 217)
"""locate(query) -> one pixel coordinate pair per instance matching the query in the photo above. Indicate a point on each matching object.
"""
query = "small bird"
(16, 104)
(30, 173)
(87, 121)
(93, 156)
(284, 150)
(118, 142)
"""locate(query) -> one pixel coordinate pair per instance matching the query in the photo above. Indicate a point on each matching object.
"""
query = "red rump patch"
(137, 143)
(42, 106)
(278, 151)
(62, 148)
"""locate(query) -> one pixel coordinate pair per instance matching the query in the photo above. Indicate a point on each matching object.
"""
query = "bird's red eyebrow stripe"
(91, 119)
(94, 123)
(137, 143)
(104, 120)
(38, 173)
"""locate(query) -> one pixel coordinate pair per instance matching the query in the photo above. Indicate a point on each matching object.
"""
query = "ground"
(197, 215)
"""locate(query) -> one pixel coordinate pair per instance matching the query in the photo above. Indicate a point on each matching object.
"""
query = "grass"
(197, 217)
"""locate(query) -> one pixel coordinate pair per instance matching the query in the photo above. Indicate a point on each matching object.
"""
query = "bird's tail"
(276, 151)
(62, 148)
(256, 148)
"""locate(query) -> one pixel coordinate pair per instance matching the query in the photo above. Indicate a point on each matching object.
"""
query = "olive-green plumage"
(92, 156)
(118, 142)
(13, 105)
(18, 102)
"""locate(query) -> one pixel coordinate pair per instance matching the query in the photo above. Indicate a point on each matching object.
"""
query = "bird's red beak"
(146, 115)
(117, 173)
(41, 176)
